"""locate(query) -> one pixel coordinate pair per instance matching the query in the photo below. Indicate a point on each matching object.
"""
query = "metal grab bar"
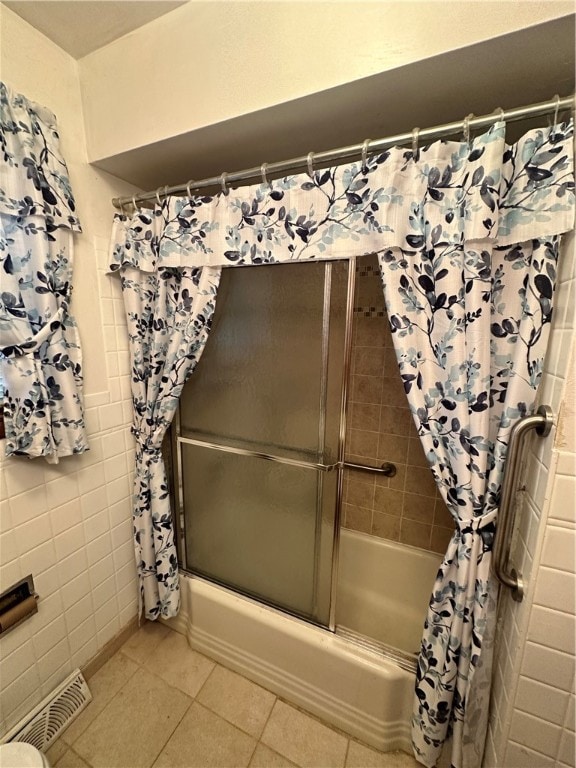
(542, 422)
(387, 468)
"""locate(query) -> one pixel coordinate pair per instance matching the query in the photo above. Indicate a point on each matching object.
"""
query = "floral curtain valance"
(40, 358)
(454, 190)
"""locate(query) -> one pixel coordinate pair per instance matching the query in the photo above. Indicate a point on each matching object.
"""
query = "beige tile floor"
(158, 703)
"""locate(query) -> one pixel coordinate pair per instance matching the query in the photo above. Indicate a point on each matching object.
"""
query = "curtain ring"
(223, 183)
(158, 196)
(466, 127)
(188, 187)
(500, 115)
(134, 203)
(415, 134)
(557, 107)
(263, 168)
(309, 162)
(365, 146)
(165, 192)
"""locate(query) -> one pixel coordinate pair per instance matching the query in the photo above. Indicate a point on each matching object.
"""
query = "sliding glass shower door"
(257, 438)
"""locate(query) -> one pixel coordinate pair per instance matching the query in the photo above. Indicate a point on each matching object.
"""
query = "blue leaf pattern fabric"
(169, 313)
(470, 326)
(487, 189)
(40, 355)
(467, 238)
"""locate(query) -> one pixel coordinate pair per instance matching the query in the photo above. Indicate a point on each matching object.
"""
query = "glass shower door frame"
(177, 441)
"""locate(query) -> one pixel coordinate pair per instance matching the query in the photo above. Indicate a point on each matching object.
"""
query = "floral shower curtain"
(169, 312)
(40, 357)
(466, 234)
(470, 315)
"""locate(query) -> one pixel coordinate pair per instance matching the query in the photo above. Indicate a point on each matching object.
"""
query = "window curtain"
(40, 356)
(169, 312)
(467, 238)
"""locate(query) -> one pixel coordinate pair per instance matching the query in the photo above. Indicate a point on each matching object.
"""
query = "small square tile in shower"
(415, 534)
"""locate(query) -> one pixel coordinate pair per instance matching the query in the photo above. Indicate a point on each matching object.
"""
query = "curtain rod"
(321, 159)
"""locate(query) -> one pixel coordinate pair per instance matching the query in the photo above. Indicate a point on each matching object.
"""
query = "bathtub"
(392, 616)
(352, 687)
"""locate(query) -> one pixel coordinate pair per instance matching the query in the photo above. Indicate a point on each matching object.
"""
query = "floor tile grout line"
(89, 764)
(233, 671)
(346, 753)
(194, 699)
(199, 691)
(268, 718)
(256, 742)
(130, 676)
(333, 728)
(139, 665)
(275, 751)
(164, 745)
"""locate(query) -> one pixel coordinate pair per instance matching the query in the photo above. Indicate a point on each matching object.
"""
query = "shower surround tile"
(358, 518)
(415, 534)
(386, 526)
(405, 507)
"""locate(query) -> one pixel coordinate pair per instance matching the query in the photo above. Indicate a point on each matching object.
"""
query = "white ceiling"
(82, 26)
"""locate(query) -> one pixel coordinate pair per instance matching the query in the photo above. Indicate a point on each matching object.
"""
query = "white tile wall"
(532, 709)
(70, 526)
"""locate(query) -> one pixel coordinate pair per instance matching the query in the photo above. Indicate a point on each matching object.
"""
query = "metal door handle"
(257, 454)
(387, 468)
(542, 422)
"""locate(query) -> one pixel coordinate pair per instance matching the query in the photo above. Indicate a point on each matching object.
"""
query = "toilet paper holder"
(17, 603)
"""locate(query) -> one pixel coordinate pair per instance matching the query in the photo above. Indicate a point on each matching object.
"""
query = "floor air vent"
(48, 720)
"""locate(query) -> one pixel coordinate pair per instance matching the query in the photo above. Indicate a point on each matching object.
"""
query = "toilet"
(18, 754)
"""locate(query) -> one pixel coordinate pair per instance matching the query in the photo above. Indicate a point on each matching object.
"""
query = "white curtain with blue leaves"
(467, 238)
(40, 356)
(169, 312)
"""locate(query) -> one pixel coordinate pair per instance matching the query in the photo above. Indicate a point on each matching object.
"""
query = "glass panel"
(252, 524)
(269, 381)
(259, 383)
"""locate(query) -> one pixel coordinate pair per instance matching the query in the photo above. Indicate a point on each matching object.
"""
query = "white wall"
(70, 524)
(210, 61)
(533, 717)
